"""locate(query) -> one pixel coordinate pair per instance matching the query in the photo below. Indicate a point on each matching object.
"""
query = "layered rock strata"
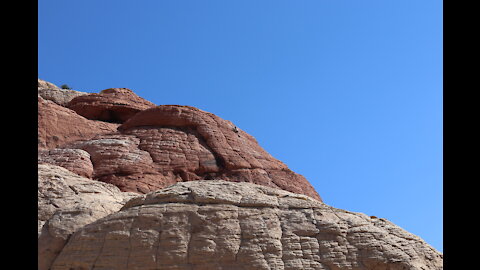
(213, 225)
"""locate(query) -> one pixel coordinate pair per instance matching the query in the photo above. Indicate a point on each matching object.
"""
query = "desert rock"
(67, 202)
(166, 144)
(114, 105)
(210, 196)
(224, 225)
(46, 85)
(58, 125)
(200, 145)
(141, 147)
(49, 91)
(74, 160)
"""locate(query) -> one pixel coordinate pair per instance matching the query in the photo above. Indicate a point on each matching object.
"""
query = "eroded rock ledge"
(224, 225)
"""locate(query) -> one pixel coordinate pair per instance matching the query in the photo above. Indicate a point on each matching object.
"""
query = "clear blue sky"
(346, 93)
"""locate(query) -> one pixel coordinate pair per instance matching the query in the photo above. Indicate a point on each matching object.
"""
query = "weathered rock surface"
(210, 225)
(250, 221)
(114, 105)
(49, 91)
(118, 160)
(67, 202)
(167, 144)
(58, 125)
(74, 160)
(155, 146)
(46, 85)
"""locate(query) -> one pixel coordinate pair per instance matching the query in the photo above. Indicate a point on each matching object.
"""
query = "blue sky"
(347, 93)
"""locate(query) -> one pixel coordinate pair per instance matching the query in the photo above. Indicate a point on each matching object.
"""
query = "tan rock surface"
(202, 225)
(49, 91)
(47, 85)
(67, 202)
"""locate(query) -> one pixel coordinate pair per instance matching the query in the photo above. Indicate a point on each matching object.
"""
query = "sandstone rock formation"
(210, 225)
(58, 125)
(114, 105)
(67, 202)
(205, 196)
(141, 147)
(49, 91)
(42, 84)
(74, 160)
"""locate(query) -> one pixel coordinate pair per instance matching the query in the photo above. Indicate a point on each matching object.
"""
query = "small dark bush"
(64, 86)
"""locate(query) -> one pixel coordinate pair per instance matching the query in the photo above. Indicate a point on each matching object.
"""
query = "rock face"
(209, 225)
(205, 196)
(67, 202)
(49, 91)
(46, 85)
(167, 144)
(141, 147)
(58, 125)
(74, 160)
(112, 105)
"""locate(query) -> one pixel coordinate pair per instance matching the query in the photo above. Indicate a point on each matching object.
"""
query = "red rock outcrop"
(156, 146)
(58, 125)
(74, 160)
(255, 223)
(194, 144)
(112, 105)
